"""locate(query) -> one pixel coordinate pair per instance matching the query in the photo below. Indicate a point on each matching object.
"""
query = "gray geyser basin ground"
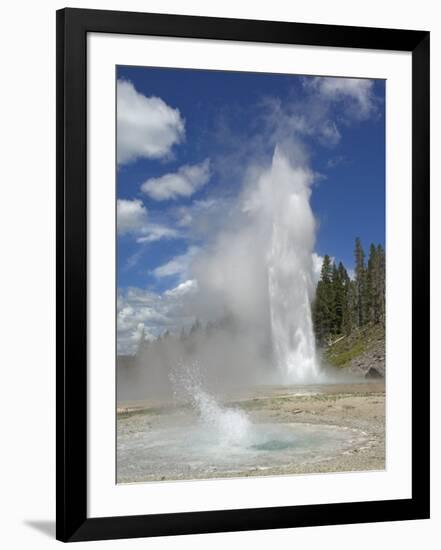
(270, 432)
(195, 451)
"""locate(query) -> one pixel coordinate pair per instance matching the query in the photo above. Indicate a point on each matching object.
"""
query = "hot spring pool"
(147, 453)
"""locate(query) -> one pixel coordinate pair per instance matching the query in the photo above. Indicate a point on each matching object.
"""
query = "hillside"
(362, 351)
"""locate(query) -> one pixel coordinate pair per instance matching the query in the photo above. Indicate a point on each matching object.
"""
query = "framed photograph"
(242, 275)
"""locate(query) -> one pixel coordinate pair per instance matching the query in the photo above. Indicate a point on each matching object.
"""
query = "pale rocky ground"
(359, 406)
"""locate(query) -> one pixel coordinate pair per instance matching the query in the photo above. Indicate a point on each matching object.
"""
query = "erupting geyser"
(255, 288)
(290, 271)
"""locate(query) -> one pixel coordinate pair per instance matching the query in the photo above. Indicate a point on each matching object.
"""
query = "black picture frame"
(71, 386)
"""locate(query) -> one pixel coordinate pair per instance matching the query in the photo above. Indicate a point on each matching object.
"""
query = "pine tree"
(351, 319)
(376, 283)
(372, 286)
(344, 289)
(323, 304)
(342, 305)
(338, 299)
(360, 283)
(381, 284)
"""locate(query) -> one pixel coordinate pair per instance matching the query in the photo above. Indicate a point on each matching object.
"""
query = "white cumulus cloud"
(131, 216)
(187, 287)
(146, 126)
(183, 183)
(145, 314)
(179, 265)
(359, 91)
(155, 232)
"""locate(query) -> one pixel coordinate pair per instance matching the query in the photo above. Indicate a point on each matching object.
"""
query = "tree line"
(342, 304)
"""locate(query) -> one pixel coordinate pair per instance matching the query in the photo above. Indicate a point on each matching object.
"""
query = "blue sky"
(186, 141)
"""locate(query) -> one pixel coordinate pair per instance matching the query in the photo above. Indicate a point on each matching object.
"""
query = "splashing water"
(228, 425)
(231, 426)
(290, 271)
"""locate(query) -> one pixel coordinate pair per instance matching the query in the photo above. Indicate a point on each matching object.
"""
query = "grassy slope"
(342, 352)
